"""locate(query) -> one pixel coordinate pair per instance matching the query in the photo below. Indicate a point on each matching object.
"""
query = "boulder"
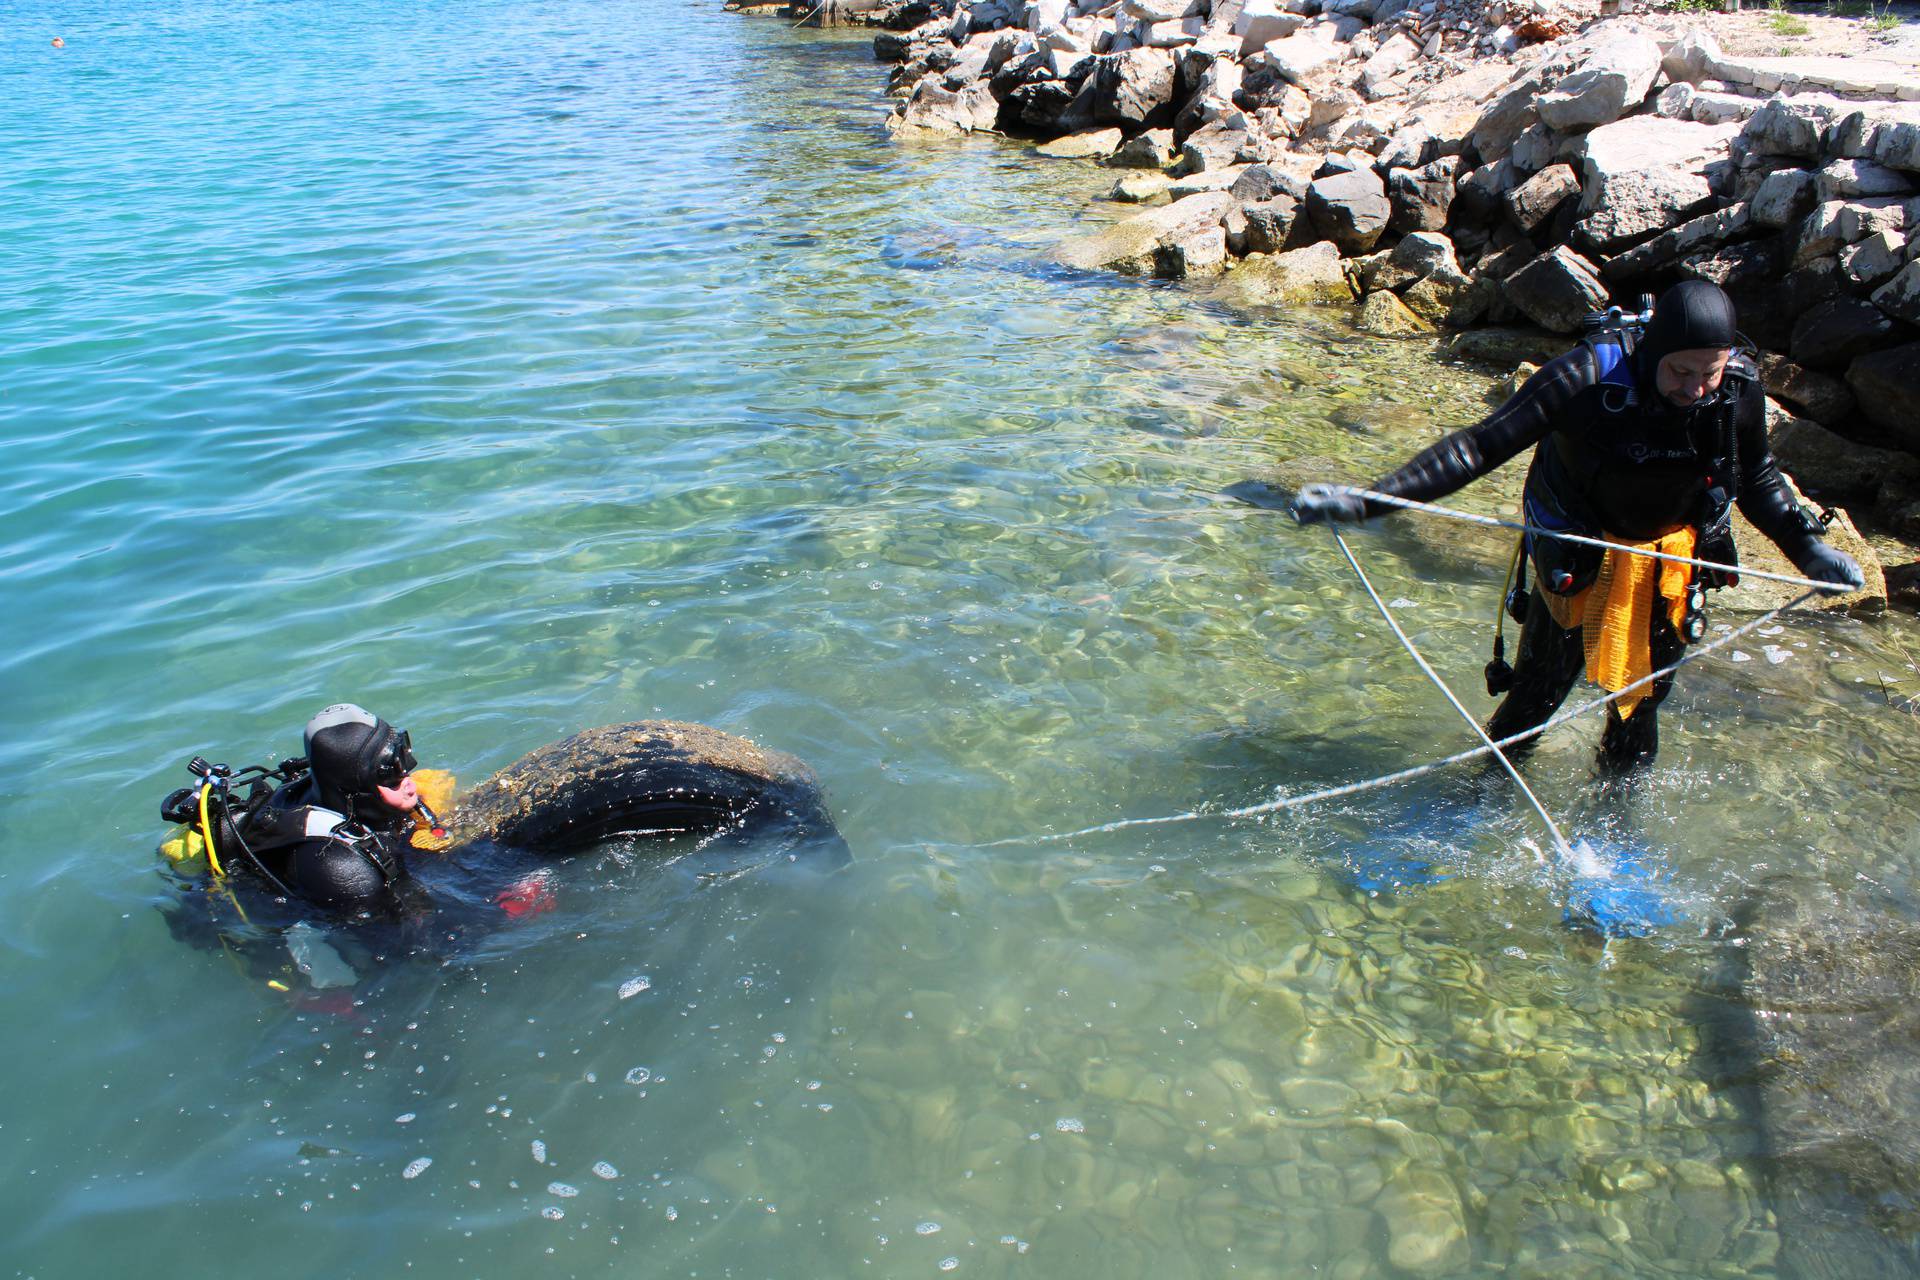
(1263, 21)
(1219, 146)
(1505, 119)
(1269, 224)
(1534, 150)
(1312, 274)
(1298, 56)
(1085, 145)
(1206, 180)
(1535, 200)
(1138, 188)
(1900, 296)
(1476, 196)
(1350, 209)
(1871, 215)
(1392, 55)
(1819, 396)
(1172, 35)
(1420, 199)
(1191, 250)
(1690, 55)
(1643, 175)
(1266, 181)
(1874, 260)
(1692, 236)
(1758, 552)
(1848, 179)
(1385, 316)
(1783, 198)
(1720, 108)
(1883, 131)
(1131, 247)
(1833, 333)
(935, 108)
(1424, 253)
(1556, 290)
(1373, 272)
(1148, 11)
(1794, 126)
(1127, 88)
(1832, 467)
(1612, 81)
(1887, 384)
(1453, 300)
(1150, 150)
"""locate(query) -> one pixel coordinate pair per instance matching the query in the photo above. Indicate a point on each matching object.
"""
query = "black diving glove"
(1328, 504)
(1823, 563)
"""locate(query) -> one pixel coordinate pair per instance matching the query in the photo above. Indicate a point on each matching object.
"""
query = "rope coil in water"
(1488, 746)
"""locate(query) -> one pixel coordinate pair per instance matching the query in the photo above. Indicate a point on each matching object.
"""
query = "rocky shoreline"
(1487, 171)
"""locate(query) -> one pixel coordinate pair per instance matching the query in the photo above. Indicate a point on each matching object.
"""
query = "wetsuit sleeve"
(1765, 499)
(1523, 421)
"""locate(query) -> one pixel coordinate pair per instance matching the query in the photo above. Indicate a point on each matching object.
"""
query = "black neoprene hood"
(1694, 315)
(344, 744)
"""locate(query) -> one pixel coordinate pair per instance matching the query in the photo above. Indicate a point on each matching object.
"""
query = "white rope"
(1410, 504)
(1283, 803)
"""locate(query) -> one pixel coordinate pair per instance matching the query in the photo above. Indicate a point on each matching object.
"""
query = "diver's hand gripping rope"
(1451, 513)
(1553, 828)
(1345, 789)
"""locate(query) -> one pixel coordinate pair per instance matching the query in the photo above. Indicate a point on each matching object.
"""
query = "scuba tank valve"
(430, 819)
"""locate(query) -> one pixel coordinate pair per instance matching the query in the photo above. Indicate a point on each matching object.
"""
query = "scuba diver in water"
(1645, 438)
(334, 833)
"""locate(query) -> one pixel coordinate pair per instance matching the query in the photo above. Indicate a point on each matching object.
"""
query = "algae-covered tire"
(650, 776)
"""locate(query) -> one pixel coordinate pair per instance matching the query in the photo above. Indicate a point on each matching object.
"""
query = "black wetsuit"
(327, 859)
(1613, 458)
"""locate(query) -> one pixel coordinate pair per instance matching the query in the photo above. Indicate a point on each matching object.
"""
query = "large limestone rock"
(1506, 118)
(1643, 175)
(1132, 247)
(1794, 126)
(1350, 209)
(1783, 198)
(1611, 82)
(1815, 395)
(1088, 144)
(1269, 224)
(1884, 132)
(935, 108)
(1263, 21)
(1887, 384)
(1540, 197)
(1557, 290)
(1385, 316)
(1312, 274)
(1690, 55)
(1126, 88)
(1691, 236)
(1833, 468)
(1420, 199)
(1849, 179)
(1900, 296)
(1298, 56)
(1833, 333)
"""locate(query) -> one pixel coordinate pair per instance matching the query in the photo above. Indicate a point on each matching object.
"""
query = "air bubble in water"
(601, 1169)
(553, 1213)
(639, 1075)
(927, 1228)
(634, 986)
(949, 1264)
(1068, 1124)
(417, 1167)
(562, 1190)
(539, 1149)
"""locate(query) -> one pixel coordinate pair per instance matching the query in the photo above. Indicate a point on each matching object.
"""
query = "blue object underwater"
(1616, 892)
(1392, 859)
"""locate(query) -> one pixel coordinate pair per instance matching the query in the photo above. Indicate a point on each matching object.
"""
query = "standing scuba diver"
(1645, 442)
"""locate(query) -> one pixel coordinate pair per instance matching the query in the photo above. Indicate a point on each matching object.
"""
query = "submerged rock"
(1312, 274)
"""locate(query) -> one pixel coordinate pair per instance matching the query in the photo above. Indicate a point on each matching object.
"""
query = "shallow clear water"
(514, 369)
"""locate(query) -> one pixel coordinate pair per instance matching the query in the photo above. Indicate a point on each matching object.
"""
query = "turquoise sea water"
(518, 368)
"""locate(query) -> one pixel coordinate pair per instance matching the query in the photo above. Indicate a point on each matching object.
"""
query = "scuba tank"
(208, 817)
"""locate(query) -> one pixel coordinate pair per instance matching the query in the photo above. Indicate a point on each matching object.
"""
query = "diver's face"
(1688, 376)
(402, 795)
